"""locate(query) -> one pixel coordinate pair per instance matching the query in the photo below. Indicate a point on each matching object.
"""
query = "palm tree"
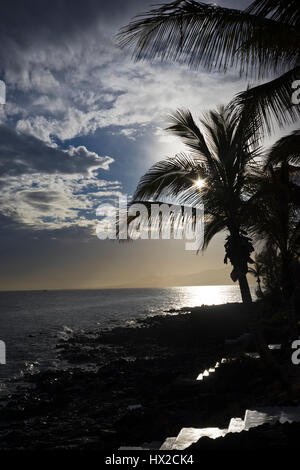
(273, 217)
(270, 272)
(257, 270)
(286, 150)
(221, 158)
(261, 41)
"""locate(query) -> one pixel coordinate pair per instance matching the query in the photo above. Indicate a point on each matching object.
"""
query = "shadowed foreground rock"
(132, 385)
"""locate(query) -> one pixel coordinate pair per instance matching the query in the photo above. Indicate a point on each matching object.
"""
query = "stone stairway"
(252, 418)
(168, 444)
(188, 436)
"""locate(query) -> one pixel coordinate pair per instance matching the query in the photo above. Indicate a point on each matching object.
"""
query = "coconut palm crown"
(221, 157)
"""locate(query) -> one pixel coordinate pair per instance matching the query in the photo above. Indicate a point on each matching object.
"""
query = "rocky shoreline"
(137, 384)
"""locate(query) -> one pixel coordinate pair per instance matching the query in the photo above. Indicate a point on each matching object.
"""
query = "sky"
(81, 124)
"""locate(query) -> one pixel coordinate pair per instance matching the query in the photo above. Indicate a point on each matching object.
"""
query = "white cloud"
(71, 82)
(50, 188)
(48, 202)
(78, 92)
(75, 90)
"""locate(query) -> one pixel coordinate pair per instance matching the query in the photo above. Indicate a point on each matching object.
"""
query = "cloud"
(138, 95)
(67, 78)
(121, 94)
(21, 154)
(55, 201)
(49, 188)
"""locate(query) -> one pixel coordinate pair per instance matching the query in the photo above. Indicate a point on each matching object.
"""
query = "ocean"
(32, 322)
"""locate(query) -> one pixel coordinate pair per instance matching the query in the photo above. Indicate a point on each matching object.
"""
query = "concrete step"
(188, 436)
(236, 425)
(252, 418)
(168, 444)
(271, 414)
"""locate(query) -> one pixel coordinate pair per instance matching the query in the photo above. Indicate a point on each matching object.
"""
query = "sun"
(199, 183)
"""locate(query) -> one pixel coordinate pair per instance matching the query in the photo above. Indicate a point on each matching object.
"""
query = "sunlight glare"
(199, 183)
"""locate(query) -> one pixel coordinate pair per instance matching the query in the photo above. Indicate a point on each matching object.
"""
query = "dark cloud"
(25, 154)
(40, 200)
(33, 24)
(40, 196)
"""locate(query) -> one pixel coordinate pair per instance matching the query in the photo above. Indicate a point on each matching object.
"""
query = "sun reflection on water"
(193, 296)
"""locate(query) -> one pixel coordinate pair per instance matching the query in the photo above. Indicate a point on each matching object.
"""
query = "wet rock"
(83, 403)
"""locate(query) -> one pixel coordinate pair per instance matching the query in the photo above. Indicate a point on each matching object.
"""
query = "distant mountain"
(210, 277)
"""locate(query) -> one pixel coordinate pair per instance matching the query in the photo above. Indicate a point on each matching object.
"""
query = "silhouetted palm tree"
(220, 157)
(286, 149)
(273, 216)
(257, 270)
(262, 41)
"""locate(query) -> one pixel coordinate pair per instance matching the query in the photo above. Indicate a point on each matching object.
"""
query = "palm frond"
(200, 34)
(248, 124)
(270, 102)
(170, 177)
(212, 227)
(286, 149)
(184, 127)
(286, 11)
(272, 213)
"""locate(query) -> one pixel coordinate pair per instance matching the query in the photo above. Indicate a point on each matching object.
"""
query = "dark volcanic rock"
(86, 405)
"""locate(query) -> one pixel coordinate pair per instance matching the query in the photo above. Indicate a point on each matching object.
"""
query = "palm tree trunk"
(245, 291)
(254, 327)
(259, 288)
